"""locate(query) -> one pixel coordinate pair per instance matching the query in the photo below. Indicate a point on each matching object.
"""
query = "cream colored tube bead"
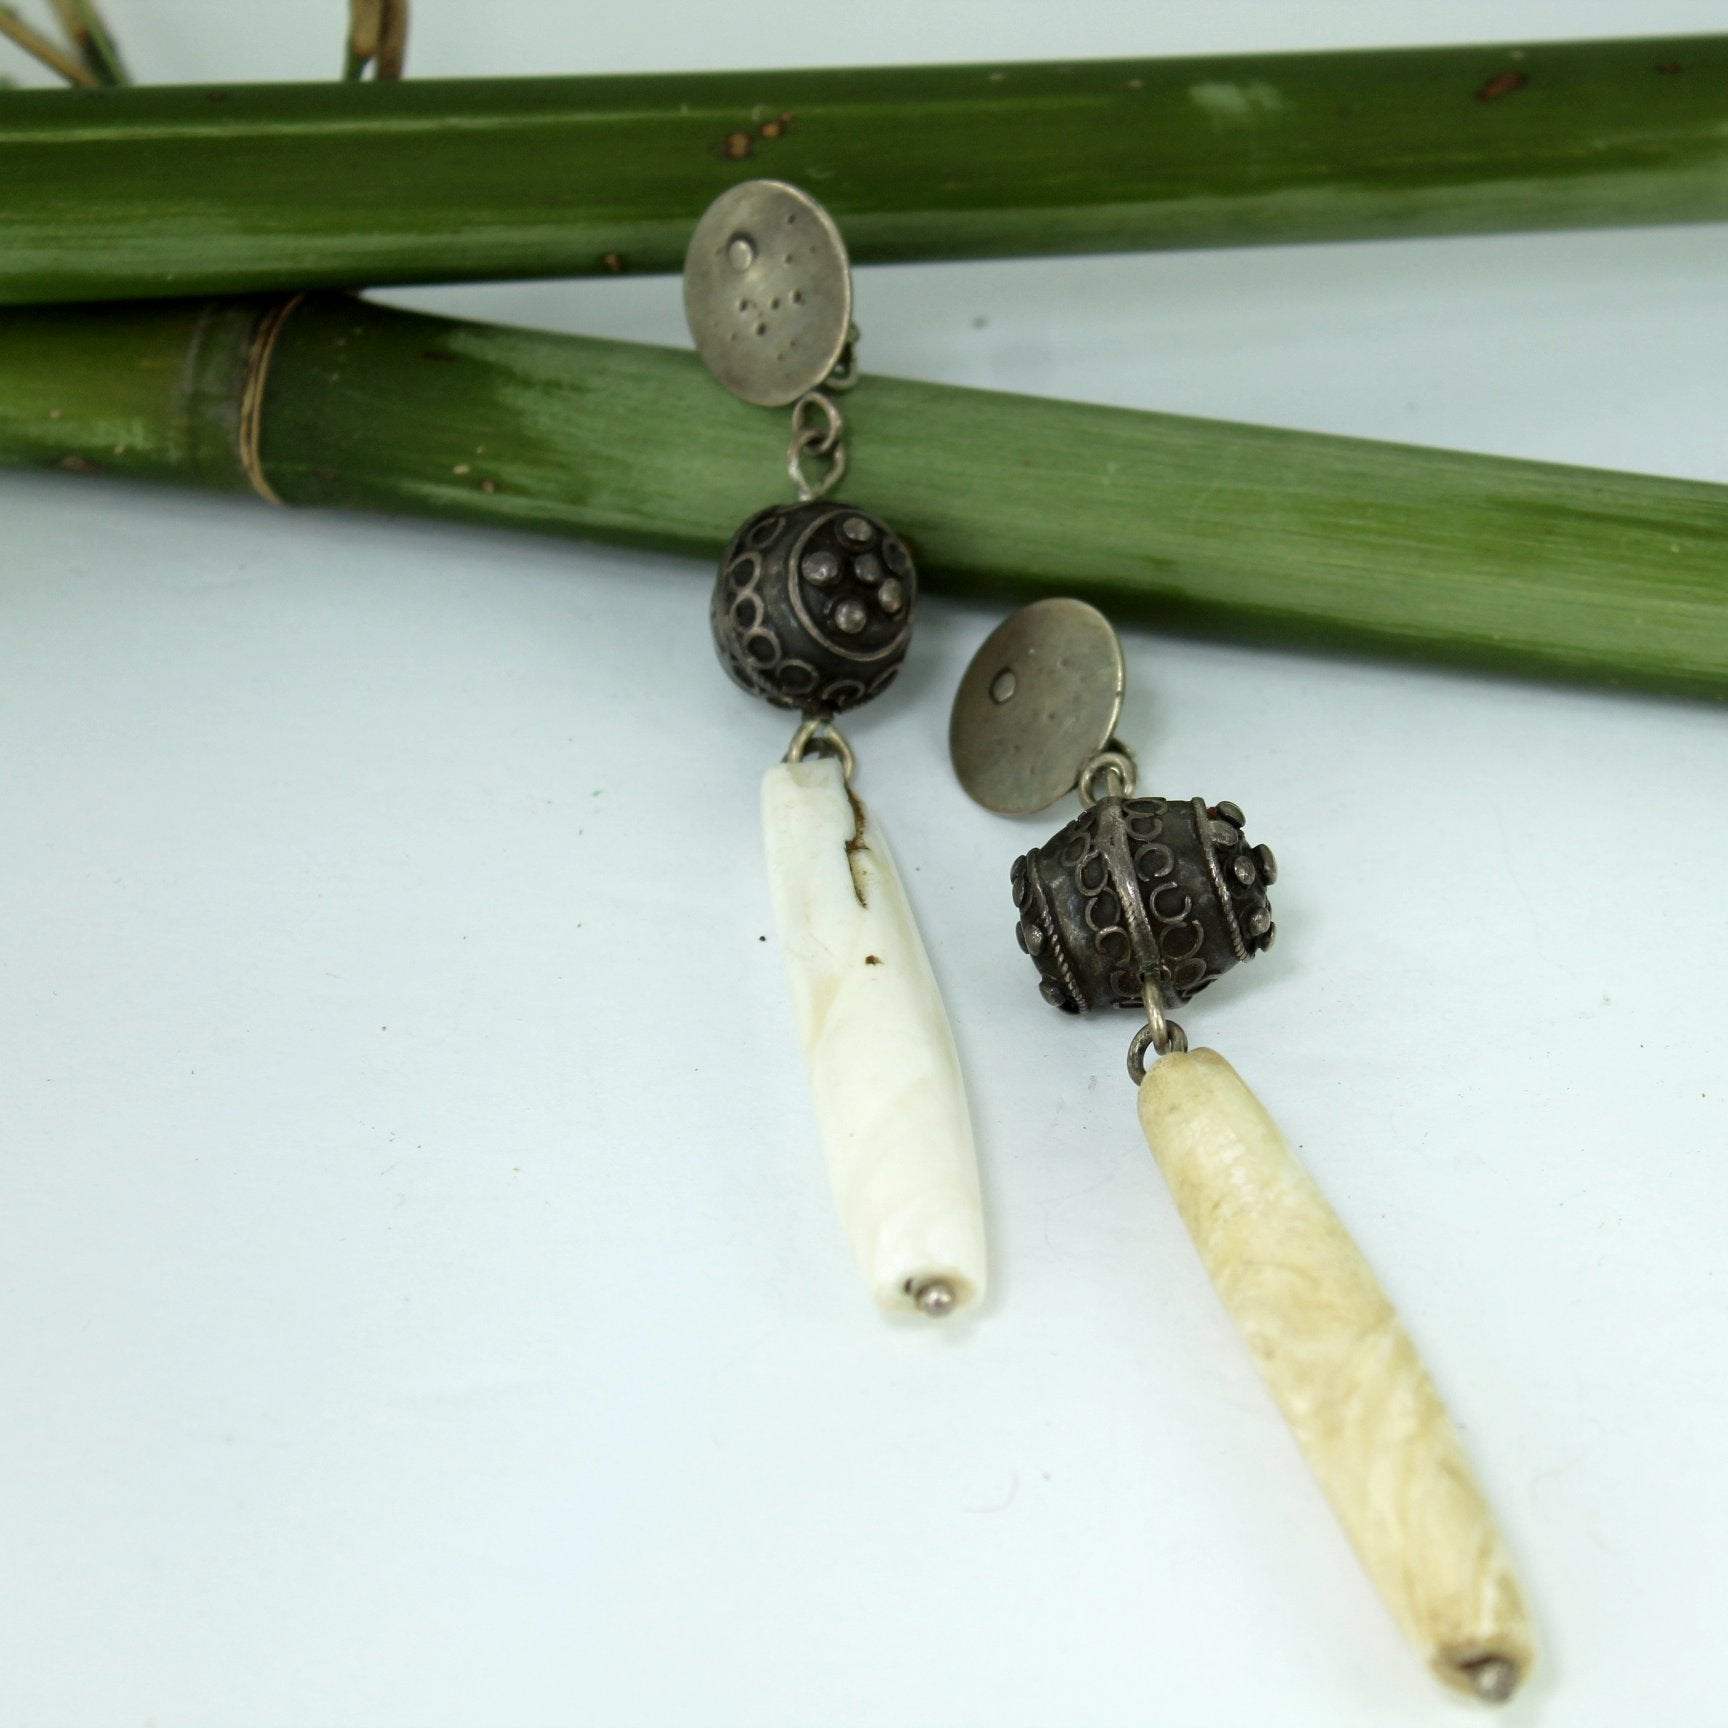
(883, 1070)
(1343, 1370)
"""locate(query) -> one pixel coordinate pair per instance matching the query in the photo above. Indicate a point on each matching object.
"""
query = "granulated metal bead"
(813, 606)
(1142, 888)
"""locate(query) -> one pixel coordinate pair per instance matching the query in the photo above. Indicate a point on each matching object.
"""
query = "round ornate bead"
(1142, 889)
(813, 606)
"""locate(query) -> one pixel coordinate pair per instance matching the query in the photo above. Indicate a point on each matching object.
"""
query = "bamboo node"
(264, 335)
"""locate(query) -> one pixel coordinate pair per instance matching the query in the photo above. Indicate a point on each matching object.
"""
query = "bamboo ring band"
(264, 334)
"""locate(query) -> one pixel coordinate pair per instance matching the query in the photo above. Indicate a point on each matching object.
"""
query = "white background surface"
(419, 1298)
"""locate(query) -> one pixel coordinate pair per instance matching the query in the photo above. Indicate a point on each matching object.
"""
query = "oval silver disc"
(768, 292)
(1039, 701)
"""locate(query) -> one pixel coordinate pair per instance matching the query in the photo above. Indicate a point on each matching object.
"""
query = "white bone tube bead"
(883, 1069)
(1343, 1371)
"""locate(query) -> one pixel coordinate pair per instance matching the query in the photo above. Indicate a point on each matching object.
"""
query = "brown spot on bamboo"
(777, 128)
(78, 465)
(612, 263)
(1502, 84)
(737, 146)
(1670, 69)
(872, 959)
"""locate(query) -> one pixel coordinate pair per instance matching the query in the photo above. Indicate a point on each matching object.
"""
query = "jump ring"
(818, 733)
(1108, 763)
(1160, 1034)
(809, 489)
(824, 440)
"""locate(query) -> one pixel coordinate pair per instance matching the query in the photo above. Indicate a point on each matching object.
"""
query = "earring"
(1142, 903)
(812, 610)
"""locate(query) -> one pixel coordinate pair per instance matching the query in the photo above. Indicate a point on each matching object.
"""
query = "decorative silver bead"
(813, 606)
(1142, 889)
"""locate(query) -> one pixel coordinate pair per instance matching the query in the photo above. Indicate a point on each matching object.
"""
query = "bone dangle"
(1343, 1370)
(883, 1069)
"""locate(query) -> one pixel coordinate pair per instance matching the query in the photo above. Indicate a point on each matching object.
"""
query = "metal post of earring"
(845, 373)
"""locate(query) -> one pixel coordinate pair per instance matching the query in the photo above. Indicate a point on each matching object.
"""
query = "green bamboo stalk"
(123, 193)
(1201, 525)
(83, 22)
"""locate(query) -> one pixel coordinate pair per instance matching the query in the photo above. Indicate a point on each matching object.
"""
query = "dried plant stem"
(393, 40)
(39, 47)
(377, 37)
(84, 23)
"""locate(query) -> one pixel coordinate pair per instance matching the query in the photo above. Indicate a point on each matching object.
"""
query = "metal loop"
(819, 733)
(1160, 1034)
(845, 373)
(1111, 763)
(808, 438)
(823, 438)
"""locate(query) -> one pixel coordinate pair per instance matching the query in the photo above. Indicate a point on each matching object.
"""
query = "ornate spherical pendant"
(813, 606)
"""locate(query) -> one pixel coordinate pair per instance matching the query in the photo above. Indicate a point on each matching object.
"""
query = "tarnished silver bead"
(813, 606)
(1141, 889)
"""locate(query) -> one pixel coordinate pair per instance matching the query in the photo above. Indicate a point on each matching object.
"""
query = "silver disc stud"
(768, 292)
(1040, 700)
